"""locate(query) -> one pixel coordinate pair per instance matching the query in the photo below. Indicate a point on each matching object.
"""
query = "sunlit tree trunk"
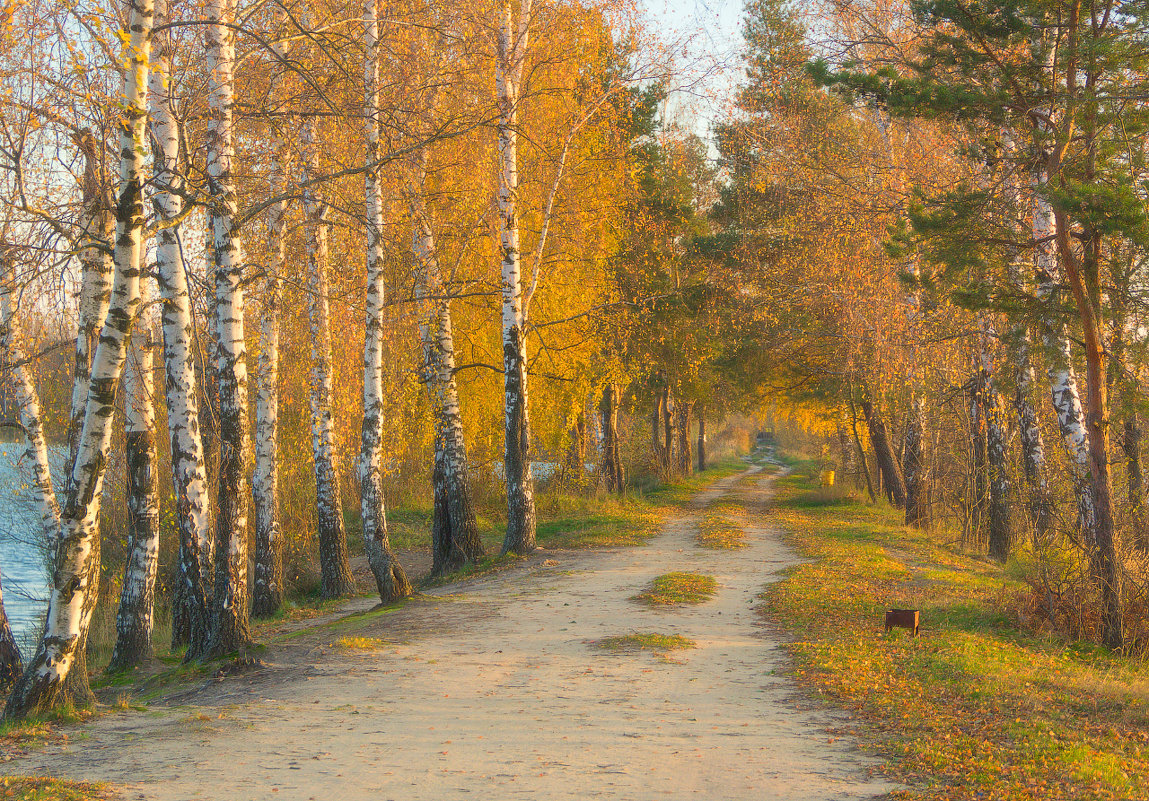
(188, 471)
(512, 45)
(390, 578)
(73, 596)
(134, 617)
(668, 419)
(454, 532)
(95, 293)
(611, 460)
(229, 608)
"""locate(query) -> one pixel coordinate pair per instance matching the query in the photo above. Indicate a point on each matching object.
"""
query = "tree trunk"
(1000, 535)
(137, 596)
(656, 414)
(512, 44)
(95, 293)
(1131, 445)
(11, 666)
(334, 560)
(980, 466)
(611, 459)
(891, 476)
(685, 457)
(668, 419)
(701, 438)
(914, 465)
(575, 458)
(1062, 377)
(73, 594)
(1032, 449)
(229, 608)
(188, 471)
(390, 579)
(267, 565)
(864, 466)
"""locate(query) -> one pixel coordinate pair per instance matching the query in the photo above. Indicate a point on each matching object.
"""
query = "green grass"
(679, 588)
(977, 708)
(645, 641)
(678, 494)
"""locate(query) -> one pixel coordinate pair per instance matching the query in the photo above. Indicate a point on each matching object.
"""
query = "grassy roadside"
(975, 709)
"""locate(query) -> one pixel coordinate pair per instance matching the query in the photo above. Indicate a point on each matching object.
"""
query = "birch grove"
(489, 272)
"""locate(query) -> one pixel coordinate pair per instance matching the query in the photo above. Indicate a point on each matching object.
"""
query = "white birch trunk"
(1064, 391)
(229, 631)
(134, 618)
(454, 533)
(267, 581)
(72, 597)
(512, 45)
(390, 578)
(334, 561)
(188, 471)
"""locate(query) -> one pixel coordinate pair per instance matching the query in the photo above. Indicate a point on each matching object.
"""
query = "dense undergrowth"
(978, 707)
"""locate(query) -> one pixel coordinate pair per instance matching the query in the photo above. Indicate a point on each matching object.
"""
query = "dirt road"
(493, 689)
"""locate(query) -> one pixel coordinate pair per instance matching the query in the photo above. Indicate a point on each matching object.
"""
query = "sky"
(709, 36)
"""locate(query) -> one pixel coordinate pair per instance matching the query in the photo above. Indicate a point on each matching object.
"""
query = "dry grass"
(717, 530)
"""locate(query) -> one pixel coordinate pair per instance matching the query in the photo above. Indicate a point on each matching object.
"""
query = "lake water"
(23, 565)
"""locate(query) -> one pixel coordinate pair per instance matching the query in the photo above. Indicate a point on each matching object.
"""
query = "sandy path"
(489, 689)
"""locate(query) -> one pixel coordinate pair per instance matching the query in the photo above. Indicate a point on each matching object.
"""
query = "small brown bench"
(903, 619)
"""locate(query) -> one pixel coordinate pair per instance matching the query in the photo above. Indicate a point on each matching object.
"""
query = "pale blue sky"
(708, 35)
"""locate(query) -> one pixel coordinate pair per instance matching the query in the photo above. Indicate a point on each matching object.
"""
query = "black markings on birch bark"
(188, 469)
(134, 618)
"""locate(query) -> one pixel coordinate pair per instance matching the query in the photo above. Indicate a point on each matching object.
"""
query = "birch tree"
(72, 596)
(268, 589)
(188, 471)
(135, 616)
(334, 562)
(513, 35)
(229, 630)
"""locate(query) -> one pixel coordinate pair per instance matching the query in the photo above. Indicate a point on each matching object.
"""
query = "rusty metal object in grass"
(903, 619)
